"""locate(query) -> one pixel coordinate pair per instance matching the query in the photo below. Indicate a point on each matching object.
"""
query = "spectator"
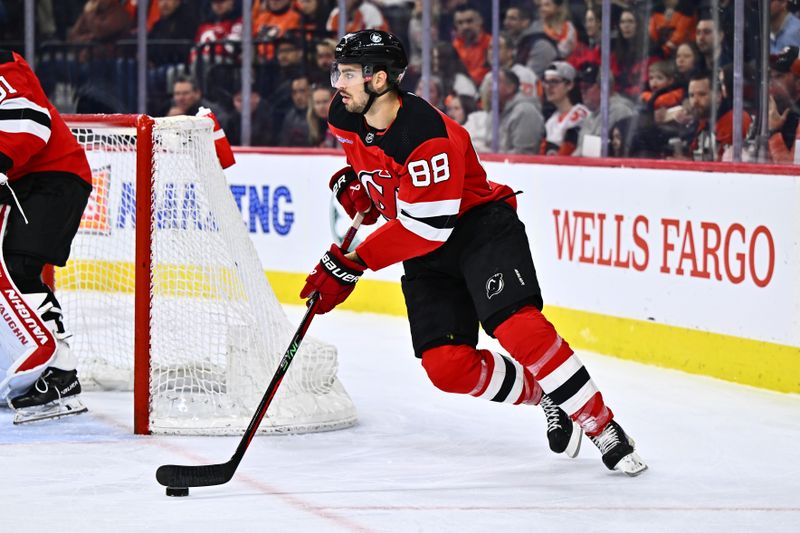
(446, 63)
(103, 22)
(324, 55)
(784, 104)
(153, 12)
(688, 60)
(176, 21)
(629, 57)
(187, 99)
(261, 120)
(521, 123)
(563, 126)
(671, 24)
(289, 58)
(274, 18)
(313, 17)
(221, 23)
(657, 122)
(784, 27)
(710, 41)
(397, 14)
(479, 125)
(528, 82)
(459, 107)
(294, 126)
(554, 22)
(618, 108)
(664, 91)
(471, 41)
(360, 16)
(289, 53)
(618, 145)
(534, 48)
(588, 48)
(447, 26)
(706, 146)
(435, 92)
(319, 135)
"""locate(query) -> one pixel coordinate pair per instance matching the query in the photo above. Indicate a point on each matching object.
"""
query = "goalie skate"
(563, 435)
(54, 395)
(618, 450)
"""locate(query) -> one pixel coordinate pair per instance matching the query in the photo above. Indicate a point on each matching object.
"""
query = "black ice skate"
(563, 434)
(618, 452)
(55, 394)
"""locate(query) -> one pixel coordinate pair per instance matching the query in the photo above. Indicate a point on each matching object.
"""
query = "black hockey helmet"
(375, 50)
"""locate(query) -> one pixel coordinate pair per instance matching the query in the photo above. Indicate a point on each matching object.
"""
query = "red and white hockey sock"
(465, 370)
(534, 342)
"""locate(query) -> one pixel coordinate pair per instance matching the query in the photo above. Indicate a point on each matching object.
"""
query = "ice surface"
(722, 457)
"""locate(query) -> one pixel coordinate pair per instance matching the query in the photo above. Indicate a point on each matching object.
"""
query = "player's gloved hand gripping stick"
(178, 478)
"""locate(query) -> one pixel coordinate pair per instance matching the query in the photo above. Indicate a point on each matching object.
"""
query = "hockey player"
(47, 184)
(464, 250)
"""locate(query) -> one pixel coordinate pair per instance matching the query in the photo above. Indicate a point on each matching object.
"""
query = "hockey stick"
(185, 476)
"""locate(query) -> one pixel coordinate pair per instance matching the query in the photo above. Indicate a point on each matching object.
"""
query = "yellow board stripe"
(746, 361)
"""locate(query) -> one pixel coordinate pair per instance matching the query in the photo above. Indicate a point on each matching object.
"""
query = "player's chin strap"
(373, 96)
(4, 181)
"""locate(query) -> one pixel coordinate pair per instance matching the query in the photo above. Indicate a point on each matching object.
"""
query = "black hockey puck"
(177, 491)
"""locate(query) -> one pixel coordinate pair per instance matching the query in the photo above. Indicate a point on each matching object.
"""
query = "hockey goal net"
(165, 293)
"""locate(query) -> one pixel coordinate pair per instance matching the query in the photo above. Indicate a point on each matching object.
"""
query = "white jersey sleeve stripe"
(429, 209)
(23, 103)
(424, 230)
(25, 126)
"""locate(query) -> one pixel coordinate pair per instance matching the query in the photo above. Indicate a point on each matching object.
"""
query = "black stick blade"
(194, 476)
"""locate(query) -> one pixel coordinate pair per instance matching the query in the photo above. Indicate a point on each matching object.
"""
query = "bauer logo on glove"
(345, 276)
(334, 277)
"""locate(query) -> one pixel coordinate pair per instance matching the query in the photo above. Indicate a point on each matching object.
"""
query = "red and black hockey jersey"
(33, 136)
(421, 172)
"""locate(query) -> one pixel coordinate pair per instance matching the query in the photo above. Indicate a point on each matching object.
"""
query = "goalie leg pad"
(465, 370)
(27, 346)
(25, 271)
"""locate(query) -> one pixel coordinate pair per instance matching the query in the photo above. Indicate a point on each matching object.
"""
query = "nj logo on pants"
(494, 285)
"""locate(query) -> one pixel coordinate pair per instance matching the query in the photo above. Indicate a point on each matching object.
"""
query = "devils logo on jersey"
(382, 189)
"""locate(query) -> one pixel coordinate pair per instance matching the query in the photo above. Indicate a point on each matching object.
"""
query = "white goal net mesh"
(217, 329)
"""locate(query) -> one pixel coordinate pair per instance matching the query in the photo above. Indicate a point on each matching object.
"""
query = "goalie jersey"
(33, 136)
(421, 173)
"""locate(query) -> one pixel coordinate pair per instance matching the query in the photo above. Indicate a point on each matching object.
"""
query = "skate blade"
(631, 465)
(50, 411)
(574, 444)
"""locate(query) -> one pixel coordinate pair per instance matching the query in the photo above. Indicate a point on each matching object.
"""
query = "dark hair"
(467, 102)
(449, 64)
(185, 78)
(525, 12)
(700, 75)
(469, 6)
(511, 78)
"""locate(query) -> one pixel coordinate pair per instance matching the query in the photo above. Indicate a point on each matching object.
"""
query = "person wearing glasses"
(564, 125)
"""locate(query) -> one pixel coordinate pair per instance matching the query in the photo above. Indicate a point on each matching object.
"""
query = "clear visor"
(346, 75)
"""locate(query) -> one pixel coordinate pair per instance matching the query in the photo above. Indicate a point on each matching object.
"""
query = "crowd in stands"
(671, 68)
